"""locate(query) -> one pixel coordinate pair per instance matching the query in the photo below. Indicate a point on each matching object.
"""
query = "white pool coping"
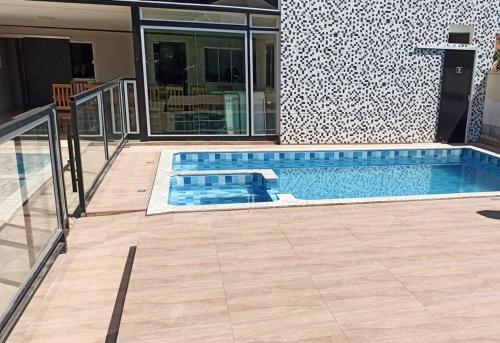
(158, 202)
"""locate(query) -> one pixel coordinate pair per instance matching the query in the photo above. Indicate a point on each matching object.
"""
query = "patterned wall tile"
(350, 70)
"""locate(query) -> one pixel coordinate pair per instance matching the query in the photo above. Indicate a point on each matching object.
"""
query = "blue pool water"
(223, 189)
(360, 174)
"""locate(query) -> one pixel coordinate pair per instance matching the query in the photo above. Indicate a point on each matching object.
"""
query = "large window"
(82, 60)
(196, 82)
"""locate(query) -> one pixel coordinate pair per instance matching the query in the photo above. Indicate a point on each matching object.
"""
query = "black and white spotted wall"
(351, 71)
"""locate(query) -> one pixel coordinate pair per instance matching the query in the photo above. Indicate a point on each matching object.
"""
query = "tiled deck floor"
(424, 271)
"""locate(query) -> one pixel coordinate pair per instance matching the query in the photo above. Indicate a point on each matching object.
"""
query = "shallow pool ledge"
(158, 202)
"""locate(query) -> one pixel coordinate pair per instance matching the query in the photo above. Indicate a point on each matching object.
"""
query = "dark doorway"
(455, 92)
(170, 63)
(82, 60)
(46, 61)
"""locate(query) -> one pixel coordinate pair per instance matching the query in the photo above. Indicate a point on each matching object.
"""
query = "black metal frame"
(12, 130)
(138, 23)
(164, 4)
(85, 194)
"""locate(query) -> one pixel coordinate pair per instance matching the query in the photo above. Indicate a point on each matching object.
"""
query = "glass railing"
(32, 206)
(101, 119)
(131, 106)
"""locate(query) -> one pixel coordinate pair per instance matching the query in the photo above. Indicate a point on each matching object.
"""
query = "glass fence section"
(32, 203)
(113, 118)
(90, 127)
(100, 128)
(132, 115)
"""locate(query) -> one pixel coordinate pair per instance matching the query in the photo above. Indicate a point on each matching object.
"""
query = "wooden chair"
(201, 92)
(78, 86)
(89, 86)
(61, 92)
(225, 88)
(156, 107)
(174, 92)
(173, 96)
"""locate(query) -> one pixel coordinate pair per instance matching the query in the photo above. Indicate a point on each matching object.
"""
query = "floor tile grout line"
(314, 283)
(222, 281)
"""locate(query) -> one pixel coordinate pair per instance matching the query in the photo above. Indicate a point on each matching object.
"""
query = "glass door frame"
(278, 80)
(194, 29)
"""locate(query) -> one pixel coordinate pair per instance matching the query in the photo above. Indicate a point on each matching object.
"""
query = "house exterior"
(306, 72)
(353, 71)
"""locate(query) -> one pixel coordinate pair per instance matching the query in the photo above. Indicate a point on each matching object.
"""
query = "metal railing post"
(78, 157)
(71, 160)
(123, 118)
(100, 106)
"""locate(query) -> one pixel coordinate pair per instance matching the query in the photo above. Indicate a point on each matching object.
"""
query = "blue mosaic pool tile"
(220, 189)
(303, 158)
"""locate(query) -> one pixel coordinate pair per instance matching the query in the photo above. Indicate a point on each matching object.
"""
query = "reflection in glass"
(91, 131)
(265, 21)
(132, 110)
(112, 117)
(28, 212)
(196, 82)
(264, 83)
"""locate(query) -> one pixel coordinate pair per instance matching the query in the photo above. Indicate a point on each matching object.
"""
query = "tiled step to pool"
(188, 190)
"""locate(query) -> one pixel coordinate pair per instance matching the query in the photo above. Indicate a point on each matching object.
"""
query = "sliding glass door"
(265, 80)
(196, 82)
(208, 82)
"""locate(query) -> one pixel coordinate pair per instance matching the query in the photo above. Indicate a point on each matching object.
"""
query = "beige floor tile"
(402, 326)
(326, 331)
(468, 311)
(210, 333)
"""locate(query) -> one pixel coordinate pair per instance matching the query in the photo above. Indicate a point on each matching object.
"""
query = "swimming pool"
(330, 176)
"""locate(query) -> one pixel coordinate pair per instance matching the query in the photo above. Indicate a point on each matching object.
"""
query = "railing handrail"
(21, 120)
(90, 92)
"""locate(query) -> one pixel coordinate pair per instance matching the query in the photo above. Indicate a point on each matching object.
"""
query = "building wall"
(351, 70)
(113, 51)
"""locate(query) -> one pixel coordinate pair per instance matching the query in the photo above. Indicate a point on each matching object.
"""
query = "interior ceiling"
(64, 15)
